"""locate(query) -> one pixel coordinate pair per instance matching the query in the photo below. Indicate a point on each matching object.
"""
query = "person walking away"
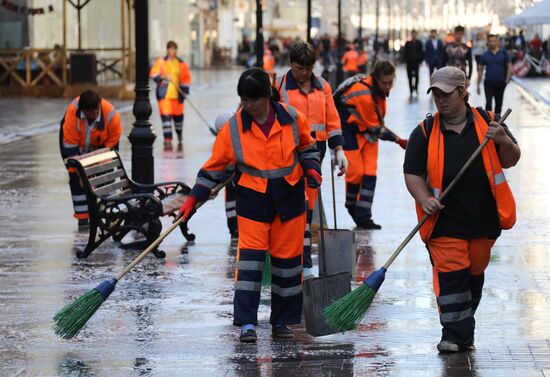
(479, 48)
(458, 54)
(414, 55)
(89, 123)
(361, 103)
(270, 149)
(171, 73)
(350, 61)
(312, 96)
(269, 63)
(433, 51)
(461, 230)
(362, 60)
(497, 64)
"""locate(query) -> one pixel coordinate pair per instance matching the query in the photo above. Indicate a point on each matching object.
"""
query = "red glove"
(314, 179)
(402, 142)
(187, 207)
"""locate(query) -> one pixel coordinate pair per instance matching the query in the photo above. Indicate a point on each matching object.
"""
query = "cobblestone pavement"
(172, 317)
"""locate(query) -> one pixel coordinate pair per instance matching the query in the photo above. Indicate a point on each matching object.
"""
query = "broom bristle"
(72, 318)
(266, 272)
(346, 313)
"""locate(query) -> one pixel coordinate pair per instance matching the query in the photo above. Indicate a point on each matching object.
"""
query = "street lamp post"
(259, 35)
(360, 32)
(340, 47)
(309, 21)
(142, 136)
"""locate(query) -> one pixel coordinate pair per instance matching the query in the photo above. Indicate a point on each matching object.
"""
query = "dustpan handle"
(322, 249)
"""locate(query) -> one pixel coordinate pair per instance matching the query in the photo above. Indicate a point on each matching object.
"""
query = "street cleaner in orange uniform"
(464, 227)
(89, 123)
(171, 73)
(269, 147)
(361, 103)
(312, 96)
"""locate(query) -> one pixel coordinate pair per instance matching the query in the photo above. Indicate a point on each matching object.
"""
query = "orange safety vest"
(506, 205)
(350, 60)
(317, 105)
(77, 134)
(268, 62)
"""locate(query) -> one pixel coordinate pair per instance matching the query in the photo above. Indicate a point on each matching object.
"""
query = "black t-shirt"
(470, 208)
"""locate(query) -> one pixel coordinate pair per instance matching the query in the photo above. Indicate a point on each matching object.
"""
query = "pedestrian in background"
(461, 230)
(414, 55)
(350, 61)
(89, 123)
(497, 64)
(361, 103)
(173, 78)
(270, 149)
(433, 51)
(458, 54)
(312, 96)
(479, 47)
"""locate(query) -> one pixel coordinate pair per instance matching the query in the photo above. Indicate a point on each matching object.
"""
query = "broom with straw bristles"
(72, 318)
(346, 313)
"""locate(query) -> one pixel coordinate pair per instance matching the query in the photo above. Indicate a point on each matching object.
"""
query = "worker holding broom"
(312, 96)
(173, 79)
(270, 149)
(361, 103)
(462, 229)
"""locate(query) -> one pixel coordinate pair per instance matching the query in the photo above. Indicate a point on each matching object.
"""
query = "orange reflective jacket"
(78, 137)
(317, 105)
(359, 101)
(162, 68)
(351, 61)
(506, 205)
(268, 61)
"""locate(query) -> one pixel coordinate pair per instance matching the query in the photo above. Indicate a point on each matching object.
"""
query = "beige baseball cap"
(447, 79)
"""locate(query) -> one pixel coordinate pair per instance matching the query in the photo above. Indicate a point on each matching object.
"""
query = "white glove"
(341, 161)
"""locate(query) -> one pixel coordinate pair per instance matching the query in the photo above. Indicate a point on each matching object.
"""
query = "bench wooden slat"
(100, 168)
(109, 189)
(120, 194)
(108, 177)
(173, 204)
(98, 158)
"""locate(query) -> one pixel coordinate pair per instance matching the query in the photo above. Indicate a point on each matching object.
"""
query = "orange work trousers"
(362, 161)
(458, 276)
(284, 242)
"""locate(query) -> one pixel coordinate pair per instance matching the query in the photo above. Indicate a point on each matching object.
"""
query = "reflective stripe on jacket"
(77, 137)
(504, 198)
(317, 105)
(160, 68)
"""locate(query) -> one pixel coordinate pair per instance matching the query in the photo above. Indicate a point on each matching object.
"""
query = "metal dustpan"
(340, 243)
(322, 291)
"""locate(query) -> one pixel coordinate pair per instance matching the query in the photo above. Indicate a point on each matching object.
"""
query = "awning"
(536, 15)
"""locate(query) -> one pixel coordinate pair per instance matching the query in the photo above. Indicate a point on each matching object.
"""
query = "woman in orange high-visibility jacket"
(312, 96)
(461, 231)
(173, 78)
(89, 123)
(361, 103)
(350, 61)
(269, 147)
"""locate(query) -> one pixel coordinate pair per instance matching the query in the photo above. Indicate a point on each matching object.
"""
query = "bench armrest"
(163, 189)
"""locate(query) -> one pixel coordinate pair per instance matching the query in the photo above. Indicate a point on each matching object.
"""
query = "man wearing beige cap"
(463, 228)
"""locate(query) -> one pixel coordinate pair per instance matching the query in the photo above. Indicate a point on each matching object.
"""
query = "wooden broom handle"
(176, 223)
(451, 185)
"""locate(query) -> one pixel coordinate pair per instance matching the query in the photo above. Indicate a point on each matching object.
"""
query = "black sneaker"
(282, 331)
(368, 224)
(248, 336)
(83, 224)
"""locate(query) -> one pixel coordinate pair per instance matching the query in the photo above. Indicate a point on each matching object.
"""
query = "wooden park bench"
(118, 205)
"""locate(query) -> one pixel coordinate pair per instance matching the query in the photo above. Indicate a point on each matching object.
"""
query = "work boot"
(282, 331)
(368, 224)
(83, 224)
(446, 346)
(248, 334)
